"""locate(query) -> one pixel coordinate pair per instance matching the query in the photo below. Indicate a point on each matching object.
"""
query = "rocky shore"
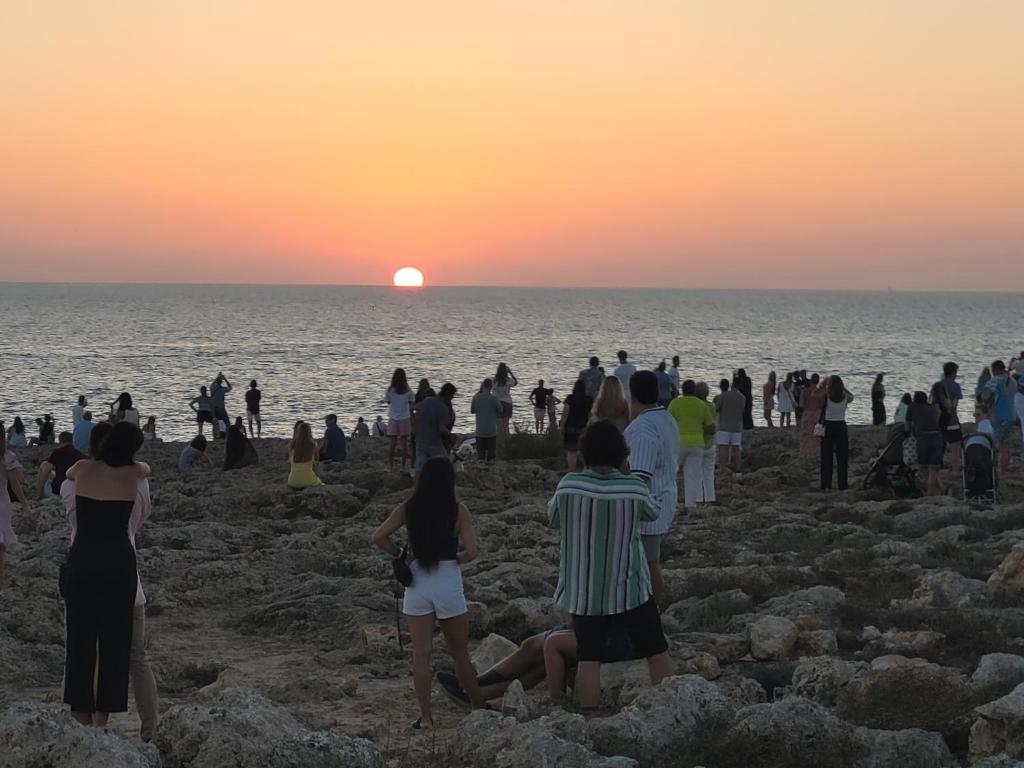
(834, 630)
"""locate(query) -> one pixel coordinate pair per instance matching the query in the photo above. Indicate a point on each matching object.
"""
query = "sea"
(331, 349)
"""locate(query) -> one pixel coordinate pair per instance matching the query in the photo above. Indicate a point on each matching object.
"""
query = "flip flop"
(418, 725)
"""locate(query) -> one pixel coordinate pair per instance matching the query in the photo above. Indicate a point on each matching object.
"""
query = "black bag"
(403, 573)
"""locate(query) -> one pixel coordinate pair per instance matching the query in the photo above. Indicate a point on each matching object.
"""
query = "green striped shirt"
(602, 569)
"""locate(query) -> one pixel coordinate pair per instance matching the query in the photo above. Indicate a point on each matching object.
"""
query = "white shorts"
(254, 416)
(437, 591)
(728, 438)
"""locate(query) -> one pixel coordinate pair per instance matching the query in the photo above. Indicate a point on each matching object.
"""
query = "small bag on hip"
(819, 428)
(403, 573)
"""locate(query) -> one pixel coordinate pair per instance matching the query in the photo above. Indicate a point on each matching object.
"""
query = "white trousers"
(691, 459)
(708, 475)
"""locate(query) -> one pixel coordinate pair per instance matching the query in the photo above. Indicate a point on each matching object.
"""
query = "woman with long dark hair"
(836, 441)
(399, 398)
(101, 578)
(745, 385)
(436, 522)
(575, 413)
(504, 380)
(878, 401)
(16, 437)
(238, 450)
(124, 410)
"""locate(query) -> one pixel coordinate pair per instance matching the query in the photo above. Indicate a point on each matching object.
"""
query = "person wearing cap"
(334, 447)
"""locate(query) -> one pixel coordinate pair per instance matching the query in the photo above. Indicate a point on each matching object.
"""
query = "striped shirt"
(602, 566)
(653, 438)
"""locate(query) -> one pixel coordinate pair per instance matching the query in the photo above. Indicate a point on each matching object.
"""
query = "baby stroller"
(979, 462)
(889, 470)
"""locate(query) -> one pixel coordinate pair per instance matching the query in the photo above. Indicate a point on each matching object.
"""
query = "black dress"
(101, 581)
(877, 406)
(746, 385)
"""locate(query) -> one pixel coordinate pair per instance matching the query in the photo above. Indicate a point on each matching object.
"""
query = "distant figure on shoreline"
(238, 450)
(709, 458)
(334, 446)
(624, 371)
(218, 392)
(253, 397)
(487, 410)
(666, 390)
(878, 416)
(923, 421)
(124, 410)
(12, 475)
(539, 400)
(730, 405)
(16, 437)
(592, 377)
(203, 407)
(745, 385)
(399, 399)
(504, 380)
(80, 434)
(787, 401)
(998, 393)
(193, 457)
(380, 428)
(45, 426)
(812, 402)
(149, 430)
(768, 399)
(433, 426)
(836, 441)
(673, 372)
(361, 430)
(77, 410)
(302, 459)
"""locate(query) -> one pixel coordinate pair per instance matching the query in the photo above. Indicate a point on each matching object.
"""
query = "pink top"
(141, 511)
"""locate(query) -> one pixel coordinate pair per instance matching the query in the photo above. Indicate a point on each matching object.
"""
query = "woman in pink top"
(812, 401)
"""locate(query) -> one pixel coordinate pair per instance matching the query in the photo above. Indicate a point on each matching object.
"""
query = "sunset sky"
(733, 144)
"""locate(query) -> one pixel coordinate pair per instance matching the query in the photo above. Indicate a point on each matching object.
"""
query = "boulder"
(709, 614)
(997, 674)
(796, 733)
(772, 638)
(1000, 761)
(896, 692)
(818, 642)
(515, 702)
(38, 736)
(814, 601)
(999, 727)
(1010, 573)
(820, 679)
(491, 650)
(944, 589)
(239, 728)
(530, 615)
(675, 723)
(487, 739)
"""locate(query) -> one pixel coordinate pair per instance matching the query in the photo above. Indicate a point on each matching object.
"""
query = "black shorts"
(506, 410)
(641, 625)
(930, 450)
(204, 417)
(571, 438)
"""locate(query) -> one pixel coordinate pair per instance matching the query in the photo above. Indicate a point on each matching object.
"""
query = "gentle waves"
(322, 349)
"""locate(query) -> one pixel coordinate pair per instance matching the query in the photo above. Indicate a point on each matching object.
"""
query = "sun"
(408, 277)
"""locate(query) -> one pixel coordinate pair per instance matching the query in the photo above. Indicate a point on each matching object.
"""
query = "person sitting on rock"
(551, 655)
(603, 578)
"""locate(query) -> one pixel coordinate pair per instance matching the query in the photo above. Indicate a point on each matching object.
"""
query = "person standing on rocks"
(433, 430)
(253, 396)
(878, 416)
(730, 405)
(695, 423)
(998, 393)
(603, 578)
(218, 392)
(504, 380)
(436, 523)
(745, 385)
(575, 412)
(539, 400)
(768, 399)
(836, 441)
(203, 407)
(399, 398)
(13, 475)
(707, 495)
(812, 401)
(652, 438)
(487, 409)
(592, 377)
(624, 371)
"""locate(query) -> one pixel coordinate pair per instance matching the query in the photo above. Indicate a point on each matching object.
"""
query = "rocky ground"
(810, 629)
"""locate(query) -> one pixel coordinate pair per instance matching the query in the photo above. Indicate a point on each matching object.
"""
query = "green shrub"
(524, 445)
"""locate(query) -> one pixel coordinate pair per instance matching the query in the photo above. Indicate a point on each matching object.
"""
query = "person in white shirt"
(673, 372)
(624, 371)
(78, 410)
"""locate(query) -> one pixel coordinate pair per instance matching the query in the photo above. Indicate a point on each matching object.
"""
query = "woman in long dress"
(768, 397)
(878, 401)
(812, 401)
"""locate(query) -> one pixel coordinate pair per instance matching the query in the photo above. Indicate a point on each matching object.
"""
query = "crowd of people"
(634, 442)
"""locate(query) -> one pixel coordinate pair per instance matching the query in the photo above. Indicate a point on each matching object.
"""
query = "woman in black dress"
(745, 384)
(878, 401)
(101, 578)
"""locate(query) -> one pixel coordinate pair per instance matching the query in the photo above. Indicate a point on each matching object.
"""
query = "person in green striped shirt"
(603, 576)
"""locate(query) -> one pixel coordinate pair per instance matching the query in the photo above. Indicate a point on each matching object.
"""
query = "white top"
(624, 373)
(399, 405)
(76, 413)
(785, 400)
(653, 438)
(503, 391)
(132, 416)
(673, 373)
(835, 411)
(985, 427)
(141, 511)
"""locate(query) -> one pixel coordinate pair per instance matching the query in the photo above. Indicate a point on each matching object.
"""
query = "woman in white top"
(399, 398)
(504, 380)
(836, 440)
(124, 409)
(787, 402)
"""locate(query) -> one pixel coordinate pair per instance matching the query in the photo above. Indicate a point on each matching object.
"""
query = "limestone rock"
(514, 702)
(491, 650)
(819, 642)
(813, 601)
(944, 589)
(997, 674)
(1010, 572)
(239, 728)
(999, 728)
(820, 679)
(772, 638)
(37, 735)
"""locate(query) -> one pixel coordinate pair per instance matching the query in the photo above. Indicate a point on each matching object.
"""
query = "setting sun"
(408, 277)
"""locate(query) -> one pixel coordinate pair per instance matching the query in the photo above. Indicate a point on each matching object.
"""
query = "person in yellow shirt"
(302, 458)
(695, 423)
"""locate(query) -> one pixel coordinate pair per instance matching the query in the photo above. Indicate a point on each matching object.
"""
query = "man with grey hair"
(707, 495)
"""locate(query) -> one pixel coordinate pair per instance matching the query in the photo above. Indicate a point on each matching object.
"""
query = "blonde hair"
(610, 402)
(303, 445)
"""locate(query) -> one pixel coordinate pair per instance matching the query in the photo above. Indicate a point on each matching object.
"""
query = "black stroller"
(979, 461)
(890, 471)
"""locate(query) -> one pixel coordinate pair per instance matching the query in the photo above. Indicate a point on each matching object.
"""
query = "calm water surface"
(326, 349)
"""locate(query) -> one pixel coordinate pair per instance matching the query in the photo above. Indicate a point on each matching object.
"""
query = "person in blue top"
(998, 393)
(334, 446)
(218, 391)
(81, 432)
(666, 389)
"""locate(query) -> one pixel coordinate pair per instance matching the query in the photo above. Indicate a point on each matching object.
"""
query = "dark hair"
(330, 417)
(253, 383)
(741, 373)
(603, 445)
(622, 356)
(501, 376)
(81, 399)
(643, 387)
(724, 385)
(96, 437)
(594, 361)
(579, 389)
(662, 366)
(675, 360)
(836, 391)
(119, 446)
(950, 369)
(998, 366)
(124, 402)
(431, 512)
(920, 398)
(19, 425)
(423, 386)
(66, 437)
(399, 382)
(202, 391)
(878, 378)
(448, 390)
(815, 378)
(199, 443)
(689, 387)
(486, 384)
(907, 399)
(238, 421)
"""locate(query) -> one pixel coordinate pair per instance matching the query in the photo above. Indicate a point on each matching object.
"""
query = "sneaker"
(451, 688)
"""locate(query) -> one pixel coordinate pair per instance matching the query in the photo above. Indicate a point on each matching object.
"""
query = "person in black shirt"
(252, 409)
(745, 385)
(539, 398)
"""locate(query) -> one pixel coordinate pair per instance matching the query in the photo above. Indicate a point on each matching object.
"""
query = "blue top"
(335, 445)
(1002, 406)
(217, 394)
(664, 386)
(80, 435)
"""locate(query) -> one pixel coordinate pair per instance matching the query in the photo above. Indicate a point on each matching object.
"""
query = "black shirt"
(540, 397)
(252, 400)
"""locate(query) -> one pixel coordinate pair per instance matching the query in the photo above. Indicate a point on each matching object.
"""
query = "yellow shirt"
(692, 415)
(302, 474)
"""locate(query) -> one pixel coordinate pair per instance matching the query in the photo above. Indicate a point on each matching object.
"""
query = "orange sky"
(741, 143)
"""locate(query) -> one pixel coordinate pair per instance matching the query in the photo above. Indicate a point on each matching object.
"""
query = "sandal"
(418, 725)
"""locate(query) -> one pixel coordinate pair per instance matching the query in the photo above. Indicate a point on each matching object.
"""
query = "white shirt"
(985, 428)
(76, 413)
(141, 511)
(399, 405)
(673, 373)
(835, 411)
(624, 372)
(653, 438)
